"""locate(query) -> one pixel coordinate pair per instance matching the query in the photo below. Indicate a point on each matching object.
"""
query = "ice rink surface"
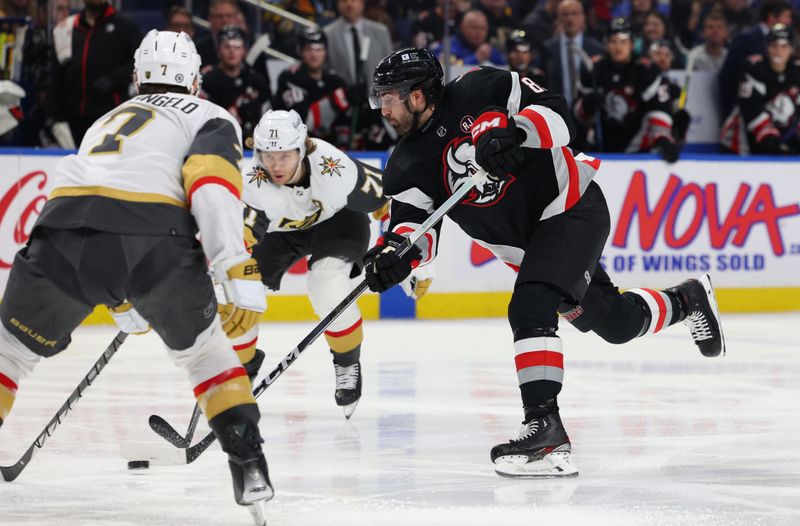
(661, 435)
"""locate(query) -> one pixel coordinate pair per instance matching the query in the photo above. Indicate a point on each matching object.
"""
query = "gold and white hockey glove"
(245, 297)
(128, 320)
(417, 283)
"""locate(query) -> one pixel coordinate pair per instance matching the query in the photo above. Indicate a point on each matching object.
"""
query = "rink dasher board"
(736, 218)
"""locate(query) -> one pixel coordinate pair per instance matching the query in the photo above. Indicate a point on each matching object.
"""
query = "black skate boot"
(541, 450)
(254, 365)
(348, 387)
(242, 441)
(702, 314)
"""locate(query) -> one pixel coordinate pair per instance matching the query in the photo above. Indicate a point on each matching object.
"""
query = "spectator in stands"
(564, 50)
(656, 28)
(355, 46)
(17, 8)
(180, 19)
(502, 19)
(428, 27)
(540, 23)
(94, 74)
(765, 119)
(521, 58)
(60, 11)
(234, 85)
(628, 95)
(316, 94)
(750, 42)
(710, 55)
(470, 45)
(738, 14)
(220, 13)
(662, 53)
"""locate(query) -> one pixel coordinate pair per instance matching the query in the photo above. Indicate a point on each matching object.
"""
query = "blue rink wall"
(736, 218)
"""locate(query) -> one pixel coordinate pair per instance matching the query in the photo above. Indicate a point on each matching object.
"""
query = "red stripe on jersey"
(594, 163)
(515, 268)
(221, 378)
(766, 121)
(316, 114)
(339, 334)
(659, 122)
(573, 185)
(340, 99)
(8, 383)
(242, 346)
(662, 308)
(539, 359)
(541, 127)
(212, 180)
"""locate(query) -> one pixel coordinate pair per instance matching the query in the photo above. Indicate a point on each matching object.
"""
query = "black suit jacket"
(554, 67)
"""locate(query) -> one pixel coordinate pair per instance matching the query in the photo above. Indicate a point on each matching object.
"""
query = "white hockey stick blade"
(555, 464)
(153, 453)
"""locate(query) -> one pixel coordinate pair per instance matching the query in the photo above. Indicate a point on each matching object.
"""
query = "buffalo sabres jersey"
(635, 108)
(333, 181)
(428, 165)
(768, 105)
(158, 164)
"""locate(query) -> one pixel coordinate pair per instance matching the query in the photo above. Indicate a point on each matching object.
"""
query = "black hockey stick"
(168, 433)
(189, 455)
(12, 472)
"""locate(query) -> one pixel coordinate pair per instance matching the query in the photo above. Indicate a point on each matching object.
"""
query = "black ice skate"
(252, 367)
(542, 450)
(702, 314)
(348, 387)
(251, 485)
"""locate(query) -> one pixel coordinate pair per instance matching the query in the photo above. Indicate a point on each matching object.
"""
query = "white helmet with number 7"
(167, 57)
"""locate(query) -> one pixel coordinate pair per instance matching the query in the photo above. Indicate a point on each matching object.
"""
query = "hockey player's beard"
(405, 125)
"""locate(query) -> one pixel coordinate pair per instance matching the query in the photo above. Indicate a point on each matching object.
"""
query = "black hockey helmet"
(404, 70)
(619, 26)
(230, 32)
(779, 32)
(518, 40)
(312, 35)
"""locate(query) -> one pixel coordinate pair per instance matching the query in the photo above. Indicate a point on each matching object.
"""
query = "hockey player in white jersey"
(305, 197)
(119, 229)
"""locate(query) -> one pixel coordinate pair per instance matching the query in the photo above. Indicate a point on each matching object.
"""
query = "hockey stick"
(692, 57)
(12, 472)
(588, 63)
(168, 433)
(189, 455)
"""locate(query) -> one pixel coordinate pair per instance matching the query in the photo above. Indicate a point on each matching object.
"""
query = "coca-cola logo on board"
(20, 206)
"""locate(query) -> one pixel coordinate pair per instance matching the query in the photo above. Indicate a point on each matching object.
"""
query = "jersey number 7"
(138, 117)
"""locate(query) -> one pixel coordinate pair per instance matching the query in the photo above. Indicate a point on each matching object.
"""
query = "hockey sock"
(245, 345)
(8, 392)
(662, 309)
(540, 366)
(346, 340)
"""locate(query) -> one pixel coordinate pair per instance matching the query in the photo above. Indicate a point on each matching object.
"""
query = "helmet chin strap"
(298, 173)
(416, 114)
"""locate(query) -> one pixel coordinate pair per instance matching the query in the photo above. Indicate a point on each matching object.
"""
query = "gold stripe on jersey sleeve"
(199, 166)
(114, 193)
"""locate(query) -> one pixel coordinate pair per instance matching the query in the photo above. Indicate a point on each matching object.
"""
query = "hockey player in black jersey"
(630, 97)
(315, 93)
(767, 115)
(538, 211)
(661, 54)
(520, 55)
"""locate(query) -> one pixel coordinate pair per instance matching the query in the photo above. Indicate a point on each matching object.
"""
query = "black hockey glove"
(383, 268)
(667, 149)
(769, 145)
(680, 124)
(592, 102)
(497, 141)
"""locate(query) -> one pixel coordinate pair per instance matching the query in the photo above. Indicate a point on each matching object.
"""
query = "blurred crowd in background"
(66, 63)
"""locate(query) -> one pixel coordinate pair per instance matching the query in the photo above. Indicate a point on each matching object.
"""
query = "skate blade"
(705, 280)
(349, 409)
(555, 464)
(258, 510)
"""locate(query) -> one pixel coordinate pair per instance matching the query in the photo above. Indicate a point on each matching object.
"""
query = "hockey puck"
(138, 464)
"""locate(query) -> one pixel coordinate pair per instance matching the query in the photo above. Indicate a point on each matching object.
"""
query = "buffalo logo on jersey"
(781, 107)
(459, 163)
(330, 166)
(258, 175)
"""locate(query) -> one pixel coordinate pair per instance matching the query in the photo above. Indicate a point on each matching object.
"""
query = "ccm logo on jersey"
(486, 121)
